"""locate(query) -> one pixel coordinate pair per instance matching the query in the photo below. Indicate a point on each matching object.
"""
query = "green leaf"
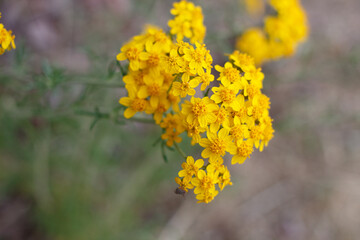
(94, 123)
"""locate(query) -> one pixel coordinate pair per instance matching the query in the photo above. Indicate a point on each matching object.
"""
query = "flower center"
(232, 74)
(139, 79)
(257, 112)
(242, 113)
(227, 95)
(237, 132)
(185, 86)
(197, 56)
(139, 104)
(154, 89)
(218, 146)
(199, 109)
(245, 149)
(132, 53)
(252, 91)
(153, 60)
(221, 115)
(161, 108)
(255, 133)
(172, 61)
(206, 183)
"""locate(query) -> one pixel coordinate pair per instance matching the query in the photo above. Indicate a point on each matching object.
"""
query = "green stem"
(179, 150)
(207, 92)
(123, 72)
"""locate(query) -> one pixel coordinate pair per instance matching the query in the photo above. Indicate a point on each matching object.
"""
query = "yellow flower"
(205, 79)
(268, 135)
(227, 96)
(281, 33)
(242, 60)
(197, 58)
(174, 100)
(152, 55)
(188, 22)
(252, 90)
(205, 181)
(172, 121)
(216, 145)
(153, 87)
(222, 118)
(242, 151)
(228, 74)
(190, 168)
(242, 113)
(199, 111)
(134, 104)
(185, 87)
(194, 131)
(173, 62)
(184, 183)
(208, 196)
(254, 42)
(134, 79)
(254, 75)
(160, 109)
(239, 131)
(131, 51)
(157, 36)
(224, 178)
(6, 39)
(256, 134)
(171, 137)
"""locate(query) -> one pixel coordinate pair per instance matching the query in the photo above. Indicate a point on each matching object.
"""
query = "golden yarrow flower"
(216, 145)
(199, 111)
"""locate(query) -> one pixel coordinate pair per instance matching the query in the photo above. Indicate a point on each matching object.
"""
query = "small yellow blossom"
(228, 74)
(224, 178)
(205, 181)
(190, 167)
(134, 104)
(242, 151)
(199, 111)
(171, 137)
(216, 145)
(184, 183)
(6, 39)
(185, 87)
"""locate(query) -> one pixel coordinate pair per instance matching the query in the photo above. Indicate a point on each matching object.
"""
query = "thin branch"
(182, 153)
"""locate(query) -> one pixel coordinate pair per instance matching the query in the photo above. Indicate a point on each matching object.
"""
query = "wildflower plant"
(169, 77)
(280, 35)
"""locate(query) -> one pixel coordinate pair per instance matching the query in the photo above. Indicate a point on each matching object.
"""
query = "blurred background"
(66, 173)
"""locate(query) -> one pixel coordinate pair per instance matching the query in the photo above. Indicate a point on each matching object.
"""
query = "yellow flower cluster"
(188, 22)
(163, 78)
(6, 39)
(281, 34)
(234, 120)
